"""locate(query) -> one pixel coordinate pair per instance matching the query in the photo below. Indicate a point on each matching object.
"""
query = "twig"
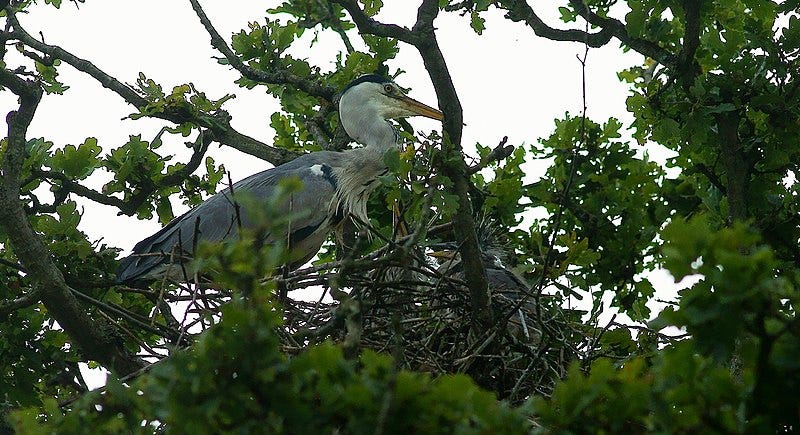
(26, 300)
(498, 153)
(273, 76)
(220, 127)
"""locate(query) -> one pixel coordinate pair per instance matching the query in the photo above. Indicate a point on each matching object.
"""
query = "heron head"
(447, 254)
(372, 98)
(492, 250)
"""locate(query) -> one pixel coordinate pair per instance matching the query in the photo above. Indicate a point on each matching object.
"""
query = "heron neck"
(377, 135)
(358, 176)
(365, 124)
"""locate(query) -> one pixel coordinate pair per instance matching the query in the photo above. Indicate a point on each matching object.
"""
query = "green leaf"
(567, 14)
(77, 162)
(477, 23)
(392, 159)
(791, 34)
(722, 108)
(667, 132)
(372, 7)
(634, 21)
(164, 210)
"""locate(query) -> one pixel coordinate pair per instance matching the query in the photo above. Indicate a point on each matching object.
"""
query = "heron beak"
(416, 108)
(447, 255)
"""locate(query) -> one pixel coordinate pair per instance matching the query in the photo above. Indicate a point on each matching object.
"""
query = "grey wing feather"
(215, 219)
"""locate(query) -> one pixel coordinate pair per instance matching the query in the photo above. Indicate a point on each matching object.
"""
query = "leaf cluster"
(237, 379)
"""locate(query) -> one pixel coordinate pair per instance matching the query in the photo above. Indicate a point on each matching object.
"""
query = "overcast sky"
(511, 83)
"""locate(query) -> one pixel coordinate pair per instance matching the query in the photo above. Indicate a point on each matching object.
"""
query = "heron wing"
(215, 219)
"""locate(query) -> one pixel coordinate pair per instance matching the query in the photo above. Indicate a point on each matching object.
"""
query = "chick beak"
(447, 255)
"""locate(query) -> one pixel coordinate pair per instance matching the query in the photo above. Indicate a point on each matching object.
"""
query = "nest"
(423, 317)
(394, 301)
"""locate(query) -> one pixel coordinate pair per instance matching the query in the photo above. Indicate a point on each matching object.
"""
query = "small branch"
(500, 152)
(369, 26)
(26, 300)
(567, 186)
(129, 206)
(176, 178)
(520, 10)
(617, 28)
(316, 126)
(221, 128)
(13, 265)
(274, 77)
(144, 324)
(712, 177)
(66, 184)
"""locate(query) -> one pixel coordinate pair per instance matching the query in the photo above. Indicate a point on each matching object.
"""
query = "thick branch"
(687, 67)
(737, 171)
(221, 128)
(617, 28)
(520, 10)
(453, 166)
(96, 340)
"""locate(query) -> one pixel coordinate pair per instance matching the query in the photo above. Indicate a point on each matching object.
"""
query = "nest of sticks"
(423, 317)
(395, 301)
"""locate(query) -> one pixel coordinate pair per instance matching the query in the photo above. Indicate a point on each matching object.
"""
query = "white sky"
(511, 82)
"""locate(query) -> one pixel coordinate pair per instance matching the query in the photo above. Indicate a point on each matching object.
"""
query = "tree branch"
(129, 206)
(69, 185)
(498, 153)
(367, 25)
(221, 128)
(273, 77)
(25, 300)
(96, 340)
(520, 10)
(454, 167)
(617, 28)
(737, 173)
(423, 38)
(687, 66)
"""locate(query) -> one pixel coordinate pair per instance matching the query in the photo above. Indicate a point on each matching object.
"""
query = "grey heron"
(334, 185)
(506, 287)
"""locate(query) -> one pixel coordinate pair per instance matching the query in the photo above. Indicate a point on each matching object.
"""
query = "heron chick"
(506, 288)
(334, 185)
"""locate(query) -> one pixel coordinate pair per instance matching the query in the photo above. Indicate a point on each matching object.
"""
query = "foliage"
(717, 87)
(614, 207)
(235, 379)
(689, 386)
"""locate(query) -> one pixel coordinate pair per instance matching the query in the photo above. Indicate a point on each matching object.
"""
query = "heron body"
(501, 280)
(334, 185)
(506, 288)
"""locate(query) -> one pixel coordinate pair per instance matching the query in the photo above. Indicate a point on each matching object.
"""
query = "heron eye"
(388, 88)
